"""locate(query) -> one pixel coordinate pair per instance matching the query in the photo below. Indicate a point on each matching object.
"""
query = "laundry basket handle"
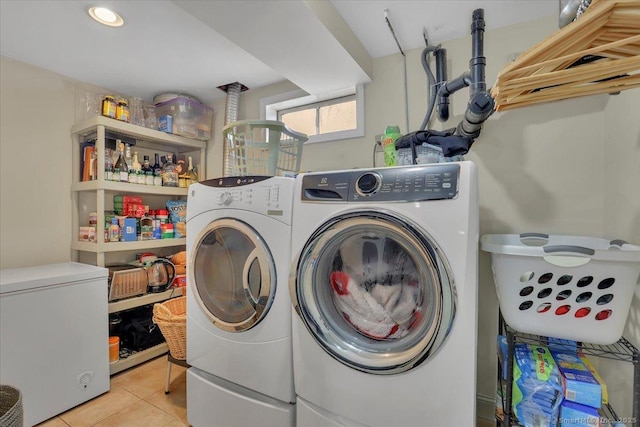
(534, 235)
(617, 243)
(568, 248)
(268, 124)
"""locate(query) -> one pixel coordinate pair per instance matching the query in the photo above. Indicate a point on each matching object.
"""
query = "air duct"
(230, 115)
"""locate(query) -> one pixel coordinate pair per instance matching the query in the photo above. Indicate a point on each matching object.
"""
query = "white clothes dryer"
(238, 305)
(384, 286)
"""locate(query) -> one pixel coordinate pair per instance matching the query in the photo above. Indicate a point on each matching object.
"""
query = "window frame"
(270, 106)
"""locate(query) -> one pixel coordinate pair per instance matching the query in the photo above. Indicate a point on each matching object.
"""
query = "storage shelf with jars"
(94, 192)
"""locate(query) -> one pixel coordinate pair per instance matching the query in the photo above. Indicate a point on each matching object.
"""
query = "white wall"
(569, 167)
(621, 163)
(36, 114)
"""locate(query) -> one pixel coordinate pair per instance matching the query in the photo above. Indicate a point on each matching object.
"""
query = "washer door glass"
(233, 274)
(375, 292)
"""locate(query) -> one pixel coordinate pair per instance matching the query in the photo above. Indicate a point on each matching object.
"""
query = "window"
(331, 118)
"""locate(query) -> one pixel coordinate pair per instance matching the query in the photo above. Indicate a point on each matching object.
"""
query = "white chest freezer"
(54, 336)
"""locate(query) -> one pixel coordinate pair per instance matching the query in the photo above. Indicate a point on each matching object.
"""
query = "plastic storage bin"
(577, 288)
(189, 118)
(262, 147)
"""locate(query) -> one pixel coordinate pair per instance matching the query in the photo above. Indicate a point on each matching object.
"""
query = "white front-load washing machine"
(238, 305)
(384, 286)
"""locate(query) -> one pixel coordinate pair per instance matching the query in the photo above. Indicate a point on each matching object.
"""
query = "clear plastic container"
(190, 118)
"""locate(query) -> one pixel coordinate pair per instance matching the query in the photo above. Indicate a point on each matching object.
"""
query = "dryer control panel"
(396, 184)
(271, 196)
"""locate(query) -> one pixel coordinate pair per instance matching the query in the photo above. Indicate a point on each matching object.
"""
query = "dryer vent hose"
(230, 115)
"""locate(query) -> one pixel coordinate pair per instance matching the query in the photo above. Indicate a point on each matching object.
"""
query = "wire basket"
(262, 147)
(569, 287)
(171, 318)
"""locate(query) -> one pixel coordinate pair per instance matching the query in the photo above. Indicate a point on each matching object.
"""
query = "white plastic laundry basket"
(569, 287)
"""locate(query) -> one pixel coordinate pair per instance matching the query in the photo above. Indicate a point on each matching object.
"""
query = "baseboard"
(485, 407)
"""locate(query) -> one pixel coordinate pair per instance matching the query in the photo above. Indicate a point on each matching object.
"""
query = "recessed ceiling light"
(106, 16)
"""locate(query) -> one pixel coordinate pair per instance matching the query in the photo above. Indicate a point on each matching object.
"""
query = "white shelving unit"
(93, 196)
(146, 139)
(149, 353)
(145, 299)
(138, 358)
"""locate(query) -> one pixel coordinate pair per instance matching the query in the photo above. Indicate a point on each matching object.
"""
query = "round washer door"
(233, 274)
(374, 291)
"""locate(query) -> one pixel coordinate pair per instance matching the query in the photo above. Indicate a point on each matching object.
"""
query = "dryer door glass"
(375, 292)
(233, 272)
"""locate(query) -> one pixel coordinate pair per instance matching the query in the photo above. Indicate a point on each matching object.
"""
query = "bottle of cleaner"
(114, 231)
(389, 144)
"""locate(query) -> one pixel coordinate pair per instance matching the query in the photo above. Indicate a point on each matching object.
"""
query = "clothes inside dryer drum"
(376, 287)
(375, 293)
(232, 275)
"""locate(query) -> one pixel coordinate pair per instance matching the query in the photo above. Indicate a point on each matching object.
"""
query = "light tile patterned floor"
(137, 399)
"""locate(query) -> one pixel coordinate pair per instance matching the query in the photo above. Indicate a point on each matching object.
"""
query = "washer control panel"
(397, 184)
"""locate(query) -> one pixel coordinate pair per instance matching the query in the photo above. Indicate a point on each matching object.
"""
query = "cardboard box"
(87, 234)
(562, 345)
(165, 123)
(580, 385)
(129, 230)
(596, 375)
(576, 415)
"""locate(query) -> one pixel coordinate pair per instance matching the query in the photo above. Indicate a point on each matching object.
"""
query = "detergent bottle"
(389, 144)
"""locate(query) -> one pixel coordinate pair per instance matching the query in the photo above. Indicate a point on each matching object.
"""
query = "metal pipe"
(441, 79)
(393, 33)
(478, 61)
(479, 109)
(406, 89)
(447, 89)
(481, 103)
(441, 65)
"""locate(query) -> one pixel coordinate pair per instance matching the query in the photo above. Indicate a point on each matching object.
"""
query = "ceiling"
(195, 46)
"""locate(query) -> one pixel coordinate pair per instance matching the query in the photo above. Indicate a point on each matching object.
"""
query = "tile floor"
(137, 399)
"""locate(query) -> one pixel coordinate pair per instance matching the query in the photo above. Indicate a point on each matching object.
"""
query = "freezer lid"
(26, 278)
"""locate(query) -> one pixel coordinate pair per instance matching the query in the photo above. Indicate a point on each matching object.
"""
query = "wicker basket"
(11, 413)
(171, 317)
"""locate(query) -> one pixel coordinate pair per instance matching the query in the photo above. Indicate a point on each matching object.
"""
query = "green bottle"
(389, 144)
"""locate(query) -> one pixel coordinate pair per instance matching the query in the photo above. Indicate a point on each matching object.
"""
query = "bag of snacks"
(178, 217)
